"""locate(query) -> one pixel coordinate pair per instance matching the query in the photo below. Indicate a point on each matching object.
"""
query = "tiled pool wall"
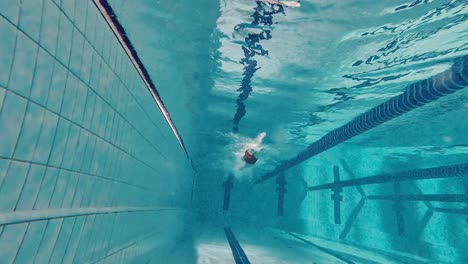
(86, 157)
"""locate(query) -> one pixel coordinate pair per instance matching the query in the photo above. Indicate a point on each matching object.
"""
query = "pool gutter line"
(27, 216)
(111, 19)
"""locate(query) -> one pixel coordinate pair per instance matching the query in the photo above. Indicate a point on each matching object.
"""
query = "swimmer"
(284, 3)
(249, 156)
(253, 148)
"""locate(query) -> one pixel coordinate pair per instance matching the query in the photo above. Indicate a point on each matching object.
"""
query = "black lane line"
(237, 251)
(329, 252)
(227, 185)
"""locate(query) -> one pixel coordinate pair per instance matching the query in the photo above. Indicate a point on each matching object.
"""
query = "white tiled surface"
(78, 129)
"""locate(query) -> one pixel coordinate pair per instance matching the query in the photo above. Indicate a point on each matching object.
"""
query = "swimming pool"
(124, 125)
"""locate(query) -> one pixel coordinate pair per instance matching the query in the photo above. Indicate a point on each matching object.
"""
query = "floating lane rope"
(415, 95)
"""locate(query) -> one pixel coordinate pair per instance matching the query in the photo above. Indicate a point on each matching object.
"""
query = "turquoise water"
(357, 111)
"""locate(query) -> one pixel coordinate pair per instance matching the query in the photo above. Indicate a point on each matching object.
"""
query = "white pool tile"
(50, 26)
(31, 242)
(112, 89)
(31, 187)
(74, 240)
(3, 92)
(80, 104)
(76, 57)
(70, 148)
(69, 96)
(89, 191)
(4, 166)
(13, 111)
(59, 189)
(48, 243)
(12, 185)
(89, 110)
(98, 184)
(68, 7)
(80, 189)
(57, 88)
(62, 241)
(104, 81)
(61, 137)
(69, 193)
(118, 62)
(86, 65)
(42, 78)
(91, 153)
(97, 116)
(102, 122)
(46, 189)
(99, 34)
(65, 40)
(11, 239)
(90, 28)
(110, 163)
(110, 125)
(7, 46)
(31, 17)
(10, 9)
(95, 162)
(29, 133)
(95, 72)
(57, 2)
(46, 138)
(85, 237)
(103, 159)
(113, 55)
(23, 65)
(80, 150)
(81, 13)
(115, 129)
(93, 244)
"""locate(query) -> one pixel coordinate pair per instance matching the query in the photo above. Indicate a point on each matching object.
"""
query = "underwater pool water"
(123, 126)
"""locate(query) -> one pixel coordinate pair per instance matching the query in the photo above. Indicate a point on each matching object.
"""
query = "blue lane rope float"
(415, 95)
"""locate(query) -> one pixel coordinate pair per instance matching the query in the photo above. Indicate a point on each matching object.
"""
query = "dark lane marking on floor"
(237, 251)
(227, 185)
